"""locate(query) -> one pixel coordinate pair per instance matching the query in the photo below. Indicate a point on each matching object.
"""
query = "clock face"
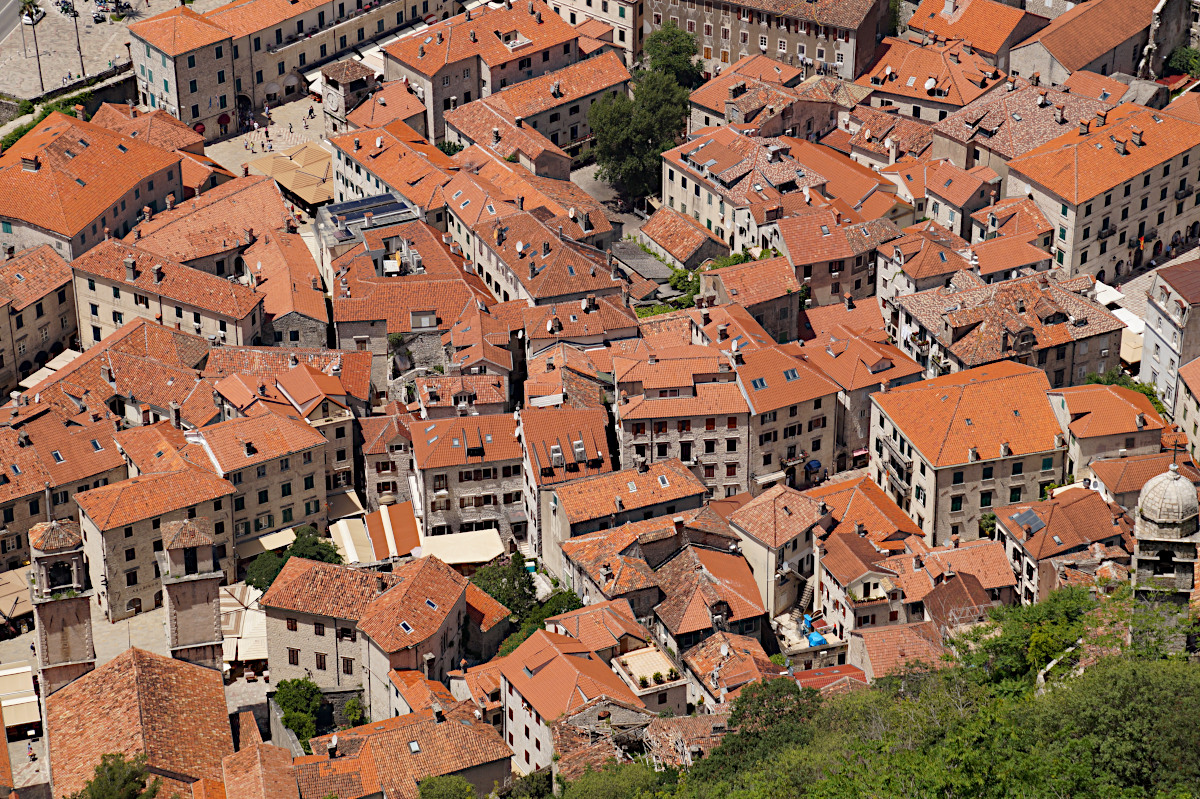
(333, 103)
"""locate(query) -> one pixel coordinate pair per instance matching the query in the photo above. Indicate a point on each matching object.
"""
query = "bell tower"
(191, 583)
(62, 596)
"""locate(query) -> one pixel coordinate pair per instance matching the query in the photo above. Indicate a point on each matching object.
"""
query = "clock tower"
(345, 84)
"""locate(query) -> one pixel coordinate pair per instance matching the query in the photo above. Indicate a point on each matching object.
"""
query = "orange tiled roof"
(861, 362)
(716, 399)
(1126, 475)
(149, 495)
(394, 100)
(602, 625)
(1078, 165)
(1097, 410)
(54, 536)
(567, 85)
(247, 441)
(985, 408)
(775, 377)
(31, 275)
(442, 443)
(325, 589)
(892, 647)
(678, 234)
(1015, 217)
(154, 127)
(777, 516)
(169, 710)
(1099, 87)
(416, 607)
(544, 428)
(959, 75)
(477, 34)
(556, 674)
(260, 771)
(986, 24)
(919, 573)
(83, 170)
(267, 364)
(483, 609)
(596, 497)
(178, 31)
(420, 692)
(171, 280)
(1088, 31)
(1072, 520)
(696, 579)
(379, 758)
(754, 282)
(725, 662)
(862, 501)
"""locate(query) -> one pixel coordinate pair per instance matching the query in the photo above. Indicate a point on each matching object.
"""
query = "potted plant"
(658, 678)
(643, 682)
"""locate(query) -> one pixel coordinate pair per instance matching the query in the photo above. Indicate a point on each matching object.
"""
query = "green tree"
(534, 785)
(631, 134)
(32, 8)
(672, 51)
(1115, 377)
(617, 781)
(450, 147)
(309, 545)
(1185, 60)
(510, 584)
(733, 259)
(987, 525)
(561, 601)
(116, 777)
(354, 712)
(300, 700)
(452, 786)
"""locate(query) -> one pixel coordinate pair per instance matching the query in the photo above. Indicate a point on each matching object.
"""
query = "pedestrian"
(289, 127)
(306, 124)
(29, 751)
(245, 144)
(256, 126)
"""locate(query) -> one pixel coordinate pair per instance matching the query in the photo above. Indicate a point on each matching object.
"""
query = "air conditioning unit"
(1103, 353)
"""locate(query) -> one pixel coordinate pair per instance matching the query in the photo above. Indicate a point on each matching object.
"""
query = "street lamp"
(78, 45)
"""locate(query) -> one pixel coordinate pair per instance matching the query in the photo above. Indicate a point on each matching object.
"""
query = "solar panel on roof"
(1028, 517)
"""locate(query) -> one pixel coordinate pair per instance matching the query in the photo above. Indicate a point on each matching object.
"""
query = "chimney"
(147, 213)
(440, 37)
(496, 136)
(8, 252)
(545, 248)
(421, 51)
(368, 218)
(31, 163)
(539, 17)
(357, 143)
(519, 122)
(130, 272)
(860, 530)
(849, 300)
(249, 448)
(473, 37)
(158, 273)
(341, 222)
(1036, 79)
(1059, 115)
(1101, 118)
(23, 439)
(1083, 127)
(532, 270)
(176, 416)
(332, 747)
(722, 331)
(78, 109)
(106, 373)
(948, 8)
(1119, 143)
(1141, 421)
(170, 201)
(1136, 135)
(1041, 98)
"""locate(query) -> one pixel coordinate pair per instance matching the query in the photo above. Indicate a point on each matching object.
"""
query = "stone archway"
(133, 606)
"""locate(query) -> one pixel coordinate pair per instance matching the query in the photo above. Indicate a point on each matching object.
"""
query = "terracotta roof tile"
(1085, 33)
(754, 282)
(1107, 410)
(483, 610)
(777, 516)
(31, 275)
(987, 25)
(1078, 166)
(54, 536)
(862, 362)
(442, 443)
(574, 82)
(1128, 475)
(983, 559)
(725, 662)
(178, 31)
(149, 495)
(172, 711)
(698, 583)
(894, 646)
(267, 364)
(154, 127)
(680, 235)
(260, 771)
(420, 692)
(394, 100)
(425, 592)
(777, 377)
(862, 501)
(593, 497)
(602, 625)
(325, 589)
(544, 428)
(556, 674)
(246, 441)
(984, 408)
(83, 171)
(1072, 520)
(962, 79)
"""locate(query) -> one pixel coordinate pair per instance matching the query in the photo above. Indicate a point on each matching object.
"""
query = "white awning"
(21, 710)
(14, 594)
(353, 543)
(767, 478)
(1106, 294)
(477, 546)
(271, 541)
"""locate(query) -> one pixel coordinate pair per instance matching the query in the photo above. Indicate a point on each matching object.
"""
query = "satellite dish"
(929, 84)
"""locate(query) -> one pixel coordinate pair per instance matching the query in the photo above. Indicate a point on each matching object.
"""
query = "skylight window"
(912, 81)
(430, 428)
(58, 458)
(69, 153)
(457, 194)
(662, 481)
(571, 271)
(632, 486)
(758, 383)
(465, 203)
(491, 209)
(122, 148)
(406, 627)
(487, 437)
(20, 277)
(80, 182)
(790, 375)
(942, 255)
(82, 143)
(414, 747)
(16, 469)
(824, 230)
(948, 182)
(431, 603)
(454, 442)
(96, 446)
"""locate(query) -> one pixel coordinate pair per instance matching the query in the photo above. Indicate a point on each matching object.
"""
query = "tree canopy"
(451, 786)
(1115, 377)
(509, 583)
(300, 700)
(631, 134)
(263, 570)
(672, 51)
(116, 777)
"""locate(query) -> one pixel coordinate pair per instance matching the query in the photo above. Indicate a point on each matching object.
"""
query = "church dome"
(1169, 498)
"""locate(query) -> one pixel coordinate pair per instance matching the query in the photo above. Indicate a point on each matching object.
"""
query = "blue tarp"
(816, 639)
(813, 465)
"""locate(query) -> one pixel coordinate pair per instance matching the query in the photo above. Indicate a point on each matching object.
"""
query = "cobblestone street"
(103, 43)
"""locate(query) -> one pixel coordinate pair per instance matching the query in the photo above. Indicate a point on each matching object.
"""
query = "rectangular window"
(293, 657)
